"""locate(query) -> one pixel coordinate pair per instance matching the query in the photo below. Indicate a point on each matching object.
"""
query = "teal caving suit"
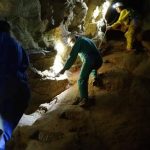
(91, 59)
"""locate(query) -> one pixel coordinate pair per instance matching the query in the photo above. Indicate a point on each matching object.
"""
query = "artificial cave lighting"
(58, 64)
(105, 7)
(69, 42)
(59, 47)
(102, 21)
(95, 14)
(104, 10)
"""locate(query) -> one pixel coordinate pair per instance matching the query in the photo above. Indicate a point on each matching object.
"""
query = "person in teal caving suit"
(91, 61)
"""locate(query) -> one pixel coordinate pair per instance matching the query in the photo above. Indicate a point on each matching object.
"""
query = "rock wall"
(119, 120)
(30, 20)
(25, 19)
(38, 24)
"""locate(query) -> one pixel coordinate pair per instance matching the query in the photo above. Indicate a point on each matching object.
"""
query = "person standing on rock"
(14, 89)
(91, 61)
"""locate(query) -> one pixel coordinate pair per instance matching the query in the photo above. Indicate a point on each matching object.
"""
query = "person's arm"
(123, 16)
(73, 55)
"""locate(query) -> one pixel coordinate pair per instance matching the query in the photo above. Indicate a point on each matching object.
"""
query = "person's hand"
(108, 27)
(62, 71)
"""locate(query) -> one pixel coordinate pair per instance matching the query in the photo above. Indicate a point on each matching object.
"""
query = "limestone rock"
(119, 118)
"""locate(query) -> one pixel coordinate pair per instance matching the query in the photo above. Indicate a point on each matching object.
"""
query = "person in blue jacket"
(91, 61)
(14, 89)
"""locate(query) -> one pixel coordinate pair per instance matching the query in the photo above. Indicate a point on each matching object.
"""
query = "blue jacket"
(13, 59)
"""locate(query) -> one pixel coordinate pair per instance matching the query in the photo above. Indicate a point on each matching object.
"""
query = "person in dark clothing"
(91, 61)
(14, 88)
